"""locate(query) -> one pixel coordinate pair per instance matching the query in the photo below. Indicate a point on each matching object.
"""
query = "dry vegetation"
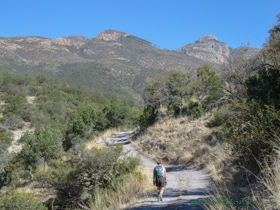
(187, 141)
(132, 193)
(134, 189)
(98, 141)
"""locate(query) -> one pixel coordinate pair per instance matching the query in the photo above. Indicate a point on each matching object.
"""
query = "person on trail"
(160, 179)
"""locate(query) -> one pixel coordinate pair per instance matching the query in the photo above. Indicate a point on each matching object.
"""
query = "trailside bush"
(148, 117)
(265, 87)
(220, 117)
(85, 170)
(194, 108)
(190, 108)
(20, 200)
(200, 110)
(251, 131)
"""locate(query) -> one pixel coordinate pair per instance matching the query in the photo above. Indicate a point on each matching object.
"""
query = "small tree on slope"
(46, 143)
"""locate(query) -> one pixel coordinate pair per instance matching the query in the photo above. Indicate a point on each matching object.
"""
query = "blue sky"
(169, 24)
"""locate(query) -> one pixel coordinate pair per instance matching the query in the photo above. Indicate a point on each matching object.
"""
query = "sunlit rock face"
(208, 48)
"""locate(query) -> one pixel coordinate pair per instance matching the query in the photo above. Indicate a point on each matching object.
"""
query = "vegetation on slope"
(117, 65)
(56, 157)
(237, 140)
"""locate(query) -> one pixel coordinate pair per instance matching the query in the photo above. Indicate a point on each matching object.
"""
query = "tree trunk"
(181, 108)
(45, 164)
(31, 175)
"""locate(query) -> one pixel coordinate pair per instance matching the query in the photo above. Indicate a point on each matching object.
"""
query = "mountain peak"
(110, 35)
(207, 48)
(207, 38)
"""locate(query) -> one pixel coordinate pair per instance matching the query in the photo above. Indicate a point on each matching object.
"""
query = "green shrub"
(250, 130)
(190, 108)
(13, 128)
(215, 121)
(20, 200)
(46, 143)
(2, 120)
(200, 110)
(265, 87)
(127, 165)
(5, 139)
(11, 172)
(26, 116)
(100, 168)
(219, 117)
(79, 127)
(148, 117)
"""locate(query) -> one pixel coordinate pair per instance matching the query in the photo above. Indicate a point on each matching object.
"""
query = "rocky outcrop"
(207, 48)
(110, 35)
(75, 41)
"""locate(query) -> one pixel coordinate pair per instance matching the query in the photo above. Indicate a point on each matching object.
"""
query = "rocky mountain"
(209, 48)
(113, 62)
(109, 44)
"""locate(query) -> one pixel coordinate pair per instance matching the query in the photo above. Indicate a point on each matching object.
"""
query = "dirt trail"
(15, 145)
(179, 193)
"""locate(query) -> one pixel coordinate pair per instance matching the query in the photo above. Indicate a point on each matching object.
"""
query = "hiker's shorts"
(160, 181)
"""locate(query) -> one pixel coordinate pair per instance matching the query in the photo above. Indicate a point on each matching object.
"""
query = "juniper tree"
(45, 143)
(177, 88)
(208, 83)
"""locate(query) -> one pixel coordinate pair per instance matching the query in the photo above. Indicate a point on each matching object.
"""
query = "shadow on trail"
(124, 142)
(175, 168)
(173, 207)
(180, 203)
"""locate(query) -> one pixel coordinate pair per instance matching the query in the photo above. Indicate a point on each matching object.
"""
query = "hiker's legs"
(158, 190)
(161, 190)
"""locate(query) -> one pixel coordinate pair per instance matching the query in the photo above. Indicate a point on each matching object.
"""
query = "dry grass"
(264, 192)
(269, 187)
(185, 141)
(135, 190)
(188, 142)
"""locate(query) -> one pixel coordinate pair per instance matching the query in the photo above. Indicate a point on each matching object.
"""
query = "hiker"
(160, 179)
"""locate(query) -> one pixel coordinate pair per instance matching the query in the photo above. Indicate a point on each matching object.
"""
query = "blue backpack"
(159, 171)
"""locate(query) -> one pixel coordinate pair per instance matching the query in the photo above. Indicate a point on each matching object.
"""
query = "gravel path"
(184, 186)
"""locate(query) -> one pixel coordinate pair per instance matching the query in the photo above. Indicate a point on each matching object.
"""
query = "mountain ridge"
(113, 61)
(209, 48)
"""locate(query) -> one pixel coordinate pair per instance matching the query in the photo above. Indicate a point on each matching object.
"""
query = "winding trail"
(179, 193)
